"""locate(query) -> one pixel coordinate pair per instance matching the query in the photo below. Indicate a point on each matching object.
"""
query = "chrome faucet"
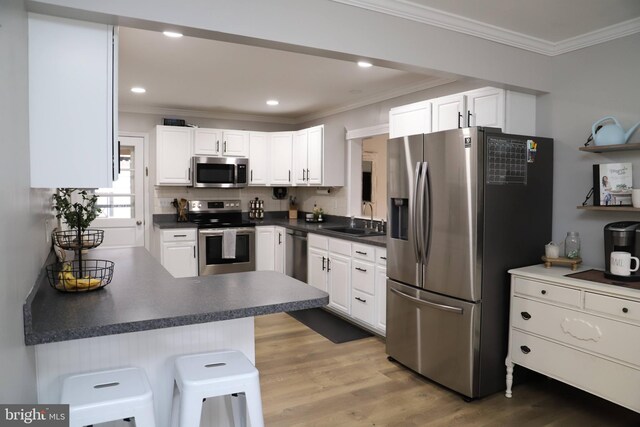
(364, 210)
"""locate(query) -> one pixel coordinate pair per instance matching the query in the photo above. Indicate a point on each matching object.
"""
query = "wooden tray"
(567, 262)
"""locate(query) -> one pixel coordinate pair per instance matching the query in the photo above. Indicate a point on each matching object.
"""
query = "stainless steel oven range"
(218, 221)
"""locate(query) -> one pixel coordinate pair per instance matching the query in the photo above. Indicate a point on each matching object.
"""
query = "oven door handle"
(220, 231)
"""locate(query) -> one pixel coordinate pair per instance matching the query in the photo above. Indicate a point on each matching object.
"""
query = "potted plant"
(77, 215)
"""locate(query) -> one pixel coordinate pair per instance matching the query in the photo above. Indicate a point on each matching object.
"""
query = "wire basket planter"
(80, 275)
(71, 240)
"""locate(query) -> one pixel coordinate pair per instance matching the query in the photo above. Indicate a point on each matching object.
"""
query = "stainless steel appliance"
(296, 258)
(464, 206)
(621, 236)
(219, 172)
(213, 217)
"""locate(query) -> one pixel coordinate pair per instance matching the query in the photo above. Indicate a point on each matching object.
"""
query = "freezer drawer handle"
(361, 300)
(525, 315)
(525, 349)
(442, 307)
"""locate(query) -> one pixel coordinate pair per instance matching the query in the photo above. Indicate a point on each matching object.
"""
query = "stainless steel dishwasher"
(296, 262)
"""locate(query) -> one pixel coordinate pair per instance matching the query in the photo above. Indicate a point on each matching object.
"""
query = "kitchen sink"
(363, 232)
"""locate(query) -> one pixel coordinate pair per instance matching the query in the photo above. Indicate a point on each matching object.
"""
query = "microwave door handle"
(425, 220)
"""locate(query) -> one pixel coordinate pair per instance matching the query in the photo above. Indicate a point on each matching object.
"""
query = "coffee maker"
(621, 236)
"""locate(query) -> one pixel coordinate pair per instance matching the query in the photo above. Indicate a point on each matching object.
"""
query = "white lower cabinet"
(179, 252)
(270, 248)
(354, 275)
(583, 333)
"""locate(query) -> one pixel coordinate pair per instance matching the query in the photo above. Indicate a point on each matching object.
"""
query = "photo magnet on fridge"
(612, 184)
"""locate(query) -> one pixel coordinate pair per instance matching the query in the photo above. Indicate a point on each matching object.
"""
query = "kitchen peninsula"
(145, 317)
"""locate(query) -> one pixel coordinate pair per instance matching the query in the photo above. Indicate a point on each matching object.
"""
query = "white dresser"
(583, 333)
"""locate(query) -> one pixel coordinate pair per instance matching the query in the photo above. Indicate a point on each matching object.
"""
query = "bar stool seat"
(97, 397)
(224, 373)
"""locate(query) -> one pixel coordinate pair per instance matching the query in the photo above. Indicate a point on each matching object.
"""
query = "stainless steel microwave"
(219, 172)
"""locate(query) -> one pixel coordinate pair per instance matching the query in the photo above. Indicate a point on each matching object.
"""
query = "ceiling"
(226, 80)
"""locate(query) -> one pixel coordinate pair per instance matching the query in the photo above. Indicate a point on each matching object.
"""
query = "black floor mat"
(329, 326)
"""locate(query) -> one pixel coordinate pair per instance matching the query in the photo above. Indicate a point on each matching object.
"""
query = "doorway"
(122, 217)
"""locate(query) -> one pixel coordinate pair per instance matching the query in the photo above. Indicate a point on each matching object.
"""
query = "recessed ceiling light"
(364, 64)
(273, 102)
(172, 34)
(138, 89)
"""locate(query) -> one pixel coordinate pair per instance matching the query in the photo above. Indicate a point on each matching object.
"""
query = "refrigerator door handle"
(425, 221)
(414, 221)
(451, 309)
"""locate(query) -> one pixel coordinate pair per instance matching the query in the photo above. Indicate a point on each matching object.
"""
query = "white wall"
(589, 84)
(22, 211)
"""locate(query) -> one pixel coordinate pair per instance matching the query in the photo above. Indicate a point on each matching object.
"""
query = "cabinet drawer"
(547, 292)
(362, 307)
(596, 334)
(340, 247)
(610, 380)
(363, 276)
(381, 256)
(320, 242)
(363, 252)
(179, 235)
(618, 307)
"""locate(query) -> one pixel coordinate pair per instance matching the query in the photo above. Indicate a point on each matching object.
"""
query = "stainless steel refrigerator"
(465, 206)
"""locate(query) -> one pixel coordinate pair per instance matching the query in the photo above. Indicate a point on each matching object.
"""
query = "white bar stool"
(223, 373)
(98, 397)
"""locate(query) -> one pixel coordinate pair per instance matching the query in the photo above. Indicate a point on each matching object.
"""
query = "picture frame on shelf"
(612, 184)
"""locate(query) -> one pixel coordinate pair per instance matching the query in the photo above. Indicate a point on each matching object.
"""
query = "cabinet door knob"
(625, 310)
(525, 315)
(543, 292)
(361, 253)
(361, 300)
(459, 117)
(323, 259)
(138, 222)
(525, 349)
(361, 269)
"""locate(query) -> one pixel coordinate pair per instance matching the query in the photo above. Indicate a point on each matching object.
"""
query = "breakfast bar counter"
(145, 317)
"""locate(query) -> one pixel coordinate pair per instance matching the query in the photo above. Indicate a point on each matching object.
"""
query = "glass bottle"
(572, 245)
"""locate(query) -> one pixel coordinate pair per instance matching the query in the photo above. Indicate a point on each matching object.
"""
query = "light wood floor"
(307, 380)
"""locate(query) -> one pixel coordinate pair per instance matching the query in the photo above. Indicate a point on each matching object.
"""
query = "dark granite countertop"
(143, 295)
(169, 221)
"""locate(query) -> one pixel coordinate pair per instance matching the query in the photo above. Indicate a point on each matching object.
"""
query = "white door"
(281, 147)
(485, 107)
(174, 145)
(317, 271)
(179, 258)
(206, 142)
(314, 155)
(235, 143)
(339, 282)
(265, 242)
(447, 112)
(122, 216)
(258, 158)
(300, 157)
(410, 119)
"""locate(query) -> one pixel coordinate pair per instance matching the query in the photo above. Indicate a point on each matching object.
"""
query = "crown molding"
(204, 114)
(438, 18)
(379, 97)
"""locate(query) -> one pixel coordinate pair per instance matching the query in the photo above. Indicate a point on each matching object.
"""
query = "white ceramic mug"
(635, 197)
(551, 250)
(621, 263)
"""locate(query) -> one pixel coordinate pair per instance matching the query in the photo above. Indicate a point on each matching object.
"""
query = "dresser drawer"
(618, 307)
(363, 276)
(604, 336)
(362, 307)
(610, 380)
(547, 292)
(179, 235)
(364, 252)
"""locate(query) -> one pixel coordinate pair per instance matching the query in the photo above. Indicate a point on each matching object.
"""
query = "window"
(118, 202)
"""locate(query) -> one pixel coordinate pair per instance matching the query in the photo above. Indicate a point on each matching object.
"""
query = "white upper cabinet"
(207, 142)
(410, 119)
(235, 143)
(281, 156)
(173, 155)
(308, 156)
(258, 158)
(485, 107)
(513, 112)
(72, 103)
(448, 112)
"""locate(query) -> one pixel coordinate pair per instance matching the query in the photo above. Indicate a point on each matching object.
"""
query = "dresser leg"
(509, 365)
